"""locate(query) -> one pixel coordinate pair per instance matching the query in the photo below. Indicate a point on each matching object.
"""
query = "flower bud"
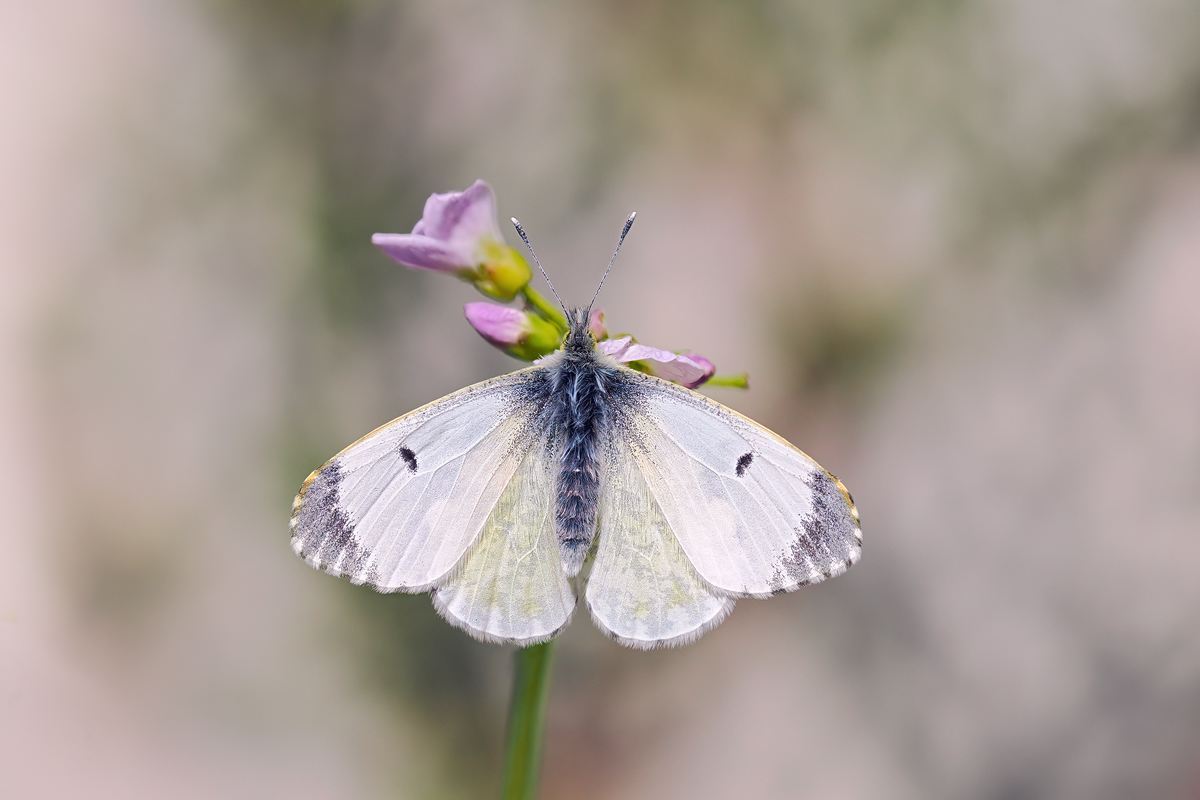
(503, 271)
(597, 326)
(520, 334)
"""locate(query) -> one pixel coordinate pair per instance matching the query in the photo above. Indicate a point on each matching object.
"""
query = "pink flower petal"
(500, 325)
(451, 234)
(689, 370)
(668, 365)
(423, 252)
(614, 347)
(709, 368)
(461, 216)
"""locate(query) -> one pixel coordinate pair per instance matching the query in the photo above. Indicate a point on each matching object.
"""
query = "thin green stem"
(737, 381)
(527, 722)
(545, 307)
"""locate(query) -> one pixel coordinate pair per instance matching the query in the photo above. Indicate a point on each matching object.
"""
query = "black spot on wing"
(410, 458)
(743, 463)
(323, 532)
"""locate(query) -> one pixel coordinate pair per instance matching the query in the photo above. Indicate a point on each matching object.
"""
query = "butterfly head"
(579, 335)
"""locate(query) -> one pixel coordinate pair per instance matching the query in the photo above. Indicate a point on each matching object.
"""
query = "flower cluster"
(458, 235)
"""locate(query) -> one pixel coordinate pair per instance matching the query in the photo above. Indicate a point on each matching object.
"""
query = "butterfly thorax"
(584, 391)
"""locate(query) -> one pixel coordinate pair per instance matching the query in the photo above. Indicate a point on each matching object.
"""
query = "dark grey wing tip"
(828, 540)
(323, 533)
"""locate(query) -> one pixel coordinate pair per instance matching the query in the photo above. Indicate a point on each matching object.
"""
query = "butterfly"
(496, 497)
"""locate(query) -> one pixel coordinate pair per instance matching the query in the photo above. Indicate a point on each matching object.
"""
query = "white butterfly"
(494, 497)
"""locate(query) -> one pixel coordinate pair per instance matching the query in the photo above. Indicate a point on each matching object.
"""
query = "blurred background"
(956, 244)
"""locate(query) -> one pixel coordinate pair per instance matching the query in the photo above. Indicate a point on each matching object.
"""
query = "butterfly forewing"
(399, 508)
(642, 590)
(754, 515)
(511, 586)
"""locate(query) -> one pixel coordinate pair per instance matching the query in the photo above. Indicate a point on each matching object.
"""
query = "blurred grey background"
(956, 243)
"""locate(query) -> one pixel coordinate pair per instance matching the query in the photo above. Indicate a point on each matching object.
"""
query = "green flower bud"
(503, 271)
(519, 333)
(543, 339)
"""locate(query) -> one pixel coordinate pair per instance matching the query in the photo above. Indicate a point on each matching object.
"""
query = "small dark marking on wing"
(743, 463)
(410, 458)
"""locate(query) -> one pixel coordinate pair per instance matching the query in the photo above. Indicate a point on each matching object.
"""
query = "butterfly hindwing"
(511, 587)
(642, 590)
(398, 509)
(754, 515)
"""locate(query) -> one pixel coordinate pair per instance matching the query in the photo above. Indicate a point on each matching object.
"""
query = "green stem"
(527, 722)
(545, 307)
(737, 381)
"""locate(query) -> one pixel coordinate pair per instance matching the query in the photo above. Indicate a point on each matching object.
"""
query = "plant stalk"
(545, 307)
(527, 722)
(736, 381)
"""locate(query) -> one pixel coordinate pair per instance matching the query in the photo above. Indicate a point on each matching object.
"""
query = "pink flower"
(458, 234)
(691, 370)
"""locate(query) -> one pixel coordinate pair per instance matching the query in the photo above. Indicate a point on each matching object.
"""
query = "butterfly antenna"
(525, 239)
(621, 241)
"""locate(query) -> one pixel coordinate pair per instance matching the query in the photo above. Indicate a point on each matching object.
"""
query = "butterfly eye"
(743, 463)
